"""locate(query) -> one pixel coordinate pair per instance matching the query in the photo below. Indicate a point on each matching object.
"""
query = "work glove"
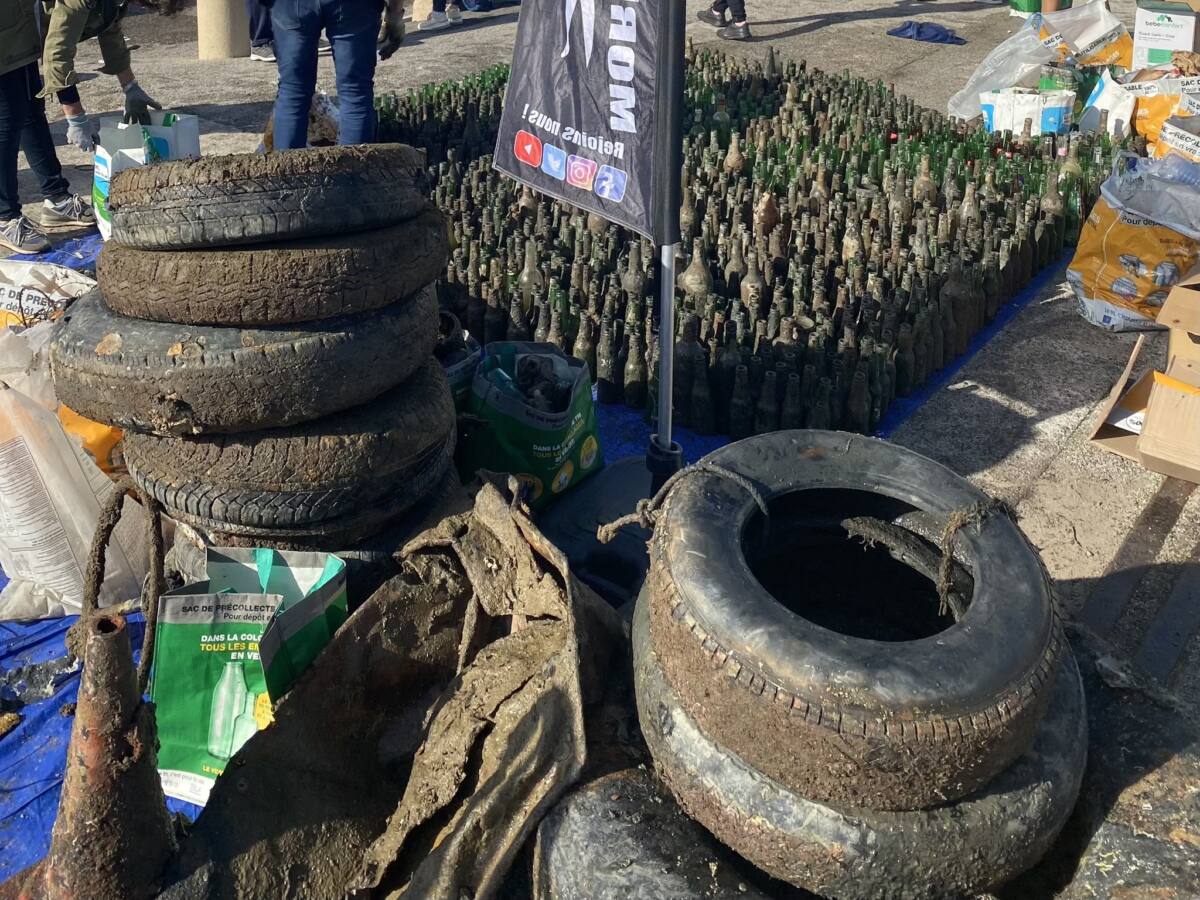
(81, 132)
(391, 34)
(137, 105)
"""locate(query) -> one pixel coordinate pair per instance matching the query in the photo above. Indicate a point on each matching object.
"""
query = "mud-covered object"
(302, 800)
(112, 836)
(175, 379)
(624, 836)
(276, 283)
(846, 720)
(250, 198)
(369, 563)
(1135, 833)
(508, 736)
(953, 850)
(423, 746)
(303, 474)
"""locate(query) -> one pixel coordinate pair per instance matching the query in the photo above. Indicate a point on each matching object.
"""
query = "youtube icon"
(528, 149)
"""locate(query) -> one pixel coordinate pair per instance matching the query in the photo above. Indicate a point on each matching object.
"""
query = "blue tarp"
(78, 253)
(33, 755)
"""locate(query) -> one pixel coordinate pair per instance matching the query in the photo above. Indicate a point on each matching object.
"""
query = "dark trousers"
(737, 9)
(23, 126)
(352, 27)
(260, 23)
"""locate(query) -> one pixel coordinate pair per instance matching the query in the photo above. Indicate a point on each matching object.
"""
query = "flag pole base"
(662, 462)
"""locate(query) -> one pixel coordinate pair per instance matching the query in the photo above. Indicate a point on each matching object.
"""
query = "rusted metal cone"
(113, 836)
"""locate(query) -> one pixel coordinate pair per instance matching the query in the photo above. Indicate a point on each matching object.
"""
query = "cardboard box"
(1156, 420)
(1161, 27)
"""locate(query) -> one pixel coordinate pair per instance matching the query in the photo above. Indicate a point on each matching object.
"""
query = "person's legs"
(715, 14)
(738, 29)
(38, 144)
(260, 23)
(16, 232)
(297, 27)
(353, 27)
(437, 18)
(14, 105)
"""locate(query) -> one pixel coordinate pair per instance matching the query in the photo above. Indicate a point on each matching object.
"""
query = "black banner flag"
(583, 120)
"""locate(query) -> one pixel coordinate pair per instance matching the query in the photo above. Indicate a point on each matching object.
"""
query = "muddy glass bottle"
(741, 405)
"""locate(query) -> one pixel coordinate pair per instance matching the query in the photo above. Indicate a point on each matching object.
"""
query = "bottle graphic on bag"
(231, 722)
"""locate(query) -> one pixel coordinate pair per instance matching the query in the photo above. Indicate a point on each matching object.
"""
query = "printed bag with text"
(1141, 237)
(229, 647)
(547, 450)
(168, 136)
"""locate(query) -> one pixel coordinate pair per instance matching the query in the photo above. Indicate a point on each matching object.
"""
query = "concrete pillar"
(222, 29)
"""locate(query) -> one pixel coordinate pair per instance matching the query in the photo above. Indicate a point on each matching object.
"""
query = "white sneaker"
(454, 14)
(21, 236)
(71, 211)
(436, 22)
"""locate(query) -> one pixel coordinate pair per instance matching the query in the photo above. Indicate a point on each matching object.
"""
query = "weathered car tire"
(191, 379)
(419, 482)
(304, 474)
(955, 850)
(624, 836)
(276, 283)
(249, 198)
(369, 562)
(845, 720)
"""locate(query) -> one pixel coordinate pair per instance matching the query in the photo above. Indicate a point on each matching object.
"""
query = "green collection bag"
(549, 452)
(228, 647)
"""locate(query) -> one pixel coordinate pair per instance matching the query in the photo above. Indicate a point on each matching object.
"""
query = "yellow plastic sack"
(1179, 135)
(99, 440)
(1141, 237)
(1090, 34)
(1159, 100)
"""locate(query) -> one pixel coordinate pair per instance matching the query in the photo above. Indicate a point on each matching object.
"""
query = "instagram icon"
(580, 172)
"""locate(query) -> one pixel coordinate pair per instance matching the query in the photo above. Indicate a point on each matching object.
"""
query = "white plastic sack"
(1088, 34)
(1015, 62)
(50, 496)
(31, 292)
(168, 136)
(1112, 97)
(1049, 112)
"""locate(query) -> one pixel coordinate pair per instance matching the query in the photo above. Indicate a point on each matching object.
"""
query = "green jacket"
(66, 23)
(20, 43)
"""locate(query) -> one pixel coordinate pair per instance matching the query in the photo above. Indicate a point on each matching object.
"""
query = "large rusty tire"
(250, 198)
(277, 283)
(425, 479)
(957, 849)
(192, 379)
(624, 836)
(303, 474)
(846, 720)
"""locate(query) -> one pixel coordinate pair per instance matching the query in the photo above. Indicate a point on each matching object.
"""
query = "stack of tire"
(263, 331)
(941, 766)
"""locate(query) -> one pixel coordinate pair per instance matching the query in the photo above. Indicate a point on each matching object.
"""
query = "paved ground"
(1120, 542)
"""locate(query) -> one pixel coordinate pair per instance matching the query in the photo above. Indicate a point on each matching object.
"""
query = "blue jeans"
(23, 127)
(352, 27)
(260, 23)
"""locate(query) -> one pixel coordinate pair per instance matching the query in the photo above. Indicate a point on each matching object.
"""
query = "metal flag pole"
(664, 457)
